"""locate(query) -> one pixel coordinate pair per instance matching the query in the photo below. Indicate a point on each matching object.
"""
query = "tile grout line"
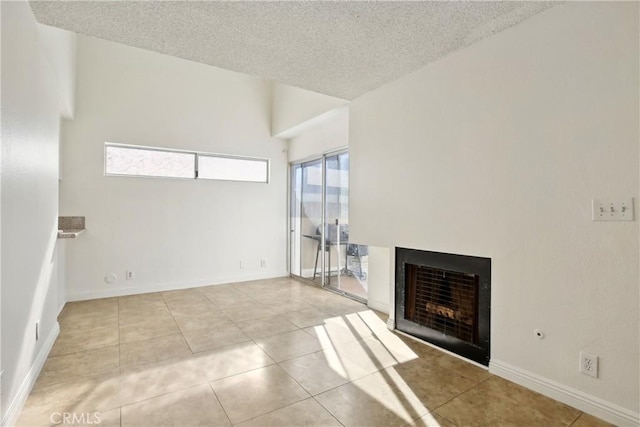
(310, 396)
(119, 353)
(177, 324)
(458, 395)
(576, 420)
(119, 366)
(220, 403)
(326, 409)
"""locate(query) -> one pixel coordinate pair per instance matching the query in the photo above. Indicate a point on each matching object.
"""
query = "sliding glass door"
(320, 249)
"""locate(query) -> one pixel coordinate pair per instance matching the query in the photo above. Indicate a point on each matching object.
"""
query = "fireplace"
(445, 299)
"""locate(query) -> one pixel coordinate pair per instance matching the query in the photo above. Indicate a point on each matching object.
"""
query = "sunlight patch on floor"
(333, 359)
(364, 339)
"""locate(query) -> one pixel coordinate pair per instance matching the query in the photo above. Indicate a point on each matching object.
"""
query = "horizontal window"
(129, 160)
(149, 162)
(232, 168)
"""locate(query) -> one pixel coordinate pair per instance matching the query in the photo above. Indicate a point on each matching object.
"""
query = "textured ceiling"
(338, 48)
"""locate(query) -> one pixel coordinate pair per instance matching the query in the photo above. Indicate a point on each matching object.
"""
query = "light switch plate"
(612, 209)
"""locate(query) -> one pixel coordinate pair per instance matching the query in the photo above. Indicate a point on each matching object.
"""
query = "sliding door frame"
(291, 166)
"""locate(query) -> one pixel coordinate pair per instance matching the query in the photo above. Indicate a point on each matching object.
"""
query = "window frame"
(196, 154)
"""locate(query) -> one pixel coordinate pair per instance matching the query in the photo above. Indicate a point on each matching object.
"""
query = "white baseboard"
(391, 323)
(379, 306)
(170, 286)
(60, 308)
(570, 396)
(307, 273)
(17, 403)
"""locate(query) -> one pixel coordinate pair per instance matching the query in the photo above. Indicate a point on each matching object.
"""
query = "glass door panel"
(307, 220)
(336, 217)
(295, 204)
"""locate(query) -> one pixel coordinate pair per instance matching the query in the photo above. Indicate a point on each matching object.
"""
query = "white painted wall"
(59, 271)
(60, 50)
(292, 107)
(29, 176)
(171, 233)
(326, 133)
(497, 151)
(379, 279)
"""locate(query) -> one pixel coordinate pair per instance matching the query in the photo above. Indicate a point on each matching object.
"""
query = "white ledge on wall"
(69, 227)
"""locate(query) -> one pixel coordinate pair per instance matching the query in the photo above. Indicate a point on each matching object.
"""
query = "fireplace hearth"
(445, 299)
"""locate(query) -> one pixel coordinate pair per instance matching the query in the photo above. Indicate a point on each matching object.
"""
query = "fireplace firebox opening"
(445, 299)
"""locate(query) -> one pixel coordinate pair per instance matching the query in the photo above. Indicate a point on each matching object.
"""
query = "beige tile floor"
(265, 353)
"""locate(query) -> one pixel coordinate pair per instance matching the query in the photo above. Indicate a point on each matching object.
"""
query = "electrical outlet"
(242, 264)
(130, 275)
(589, 364)
(37, 331)
(263, 263)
